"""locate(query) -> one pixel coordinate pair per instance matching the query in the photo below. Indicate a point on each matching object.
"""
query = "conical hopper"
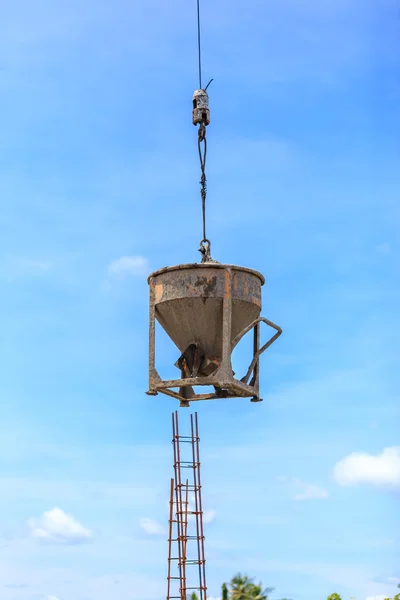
(189, 303)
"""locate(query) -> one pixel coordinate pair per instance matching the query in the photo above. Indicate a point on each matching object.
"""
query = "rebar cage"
(186, 553)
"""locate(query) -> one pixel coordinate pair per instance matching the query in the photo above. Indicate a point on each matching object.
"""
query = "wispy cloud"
(306, 491)
(311, 492)
(35, 265)
(383, 248)
(16, 266)
(17, 586)
(55, 526)
(392, 579)
(152, 527)
(376, 469)
(129, 266)
(209, 515)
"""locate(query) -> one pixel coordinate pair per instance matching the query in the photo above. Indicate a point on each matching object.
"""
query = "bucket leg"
(226, 364)
(152, 344)
(255, 381)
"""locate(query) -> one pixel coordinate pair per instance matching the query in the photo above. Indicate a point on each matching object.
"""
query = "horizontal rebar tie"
(196, 588)
(188, 512)
(191, 487)
(191, 562)
(188, 538)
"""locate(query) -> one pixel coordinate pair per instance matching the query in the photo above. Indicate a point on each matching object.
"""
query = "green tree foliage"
(396, 597)
(242, 587)
(334, 597)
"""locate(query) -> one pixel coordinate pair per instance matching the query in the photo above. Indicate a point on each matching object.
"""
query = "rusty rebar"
(188, 530)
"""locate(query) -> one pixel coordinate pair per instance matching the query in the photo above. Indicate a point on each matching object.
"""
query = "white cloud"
(55, 526)
(376, 469)
(307, 491)
(129, 266)
(152, 527)
(381, 597)
(52, 598)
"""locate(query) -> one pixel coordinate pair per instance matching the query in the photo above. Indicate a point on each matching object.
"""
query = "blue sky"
(99, 186)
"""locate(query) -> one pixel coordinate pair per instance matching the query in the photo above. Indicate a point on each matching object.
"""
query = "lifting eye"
(194, 103)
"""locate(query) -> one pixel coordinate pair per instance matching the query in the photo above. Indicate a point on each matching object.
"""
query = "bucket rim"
(209, 265)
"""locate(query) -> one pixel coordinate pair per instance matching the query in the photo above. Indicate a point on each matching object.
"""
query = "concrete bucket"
(206, 309)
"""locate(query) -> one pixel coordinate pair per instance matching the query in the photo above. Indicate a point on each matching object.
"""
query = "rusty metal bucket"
(206, 309)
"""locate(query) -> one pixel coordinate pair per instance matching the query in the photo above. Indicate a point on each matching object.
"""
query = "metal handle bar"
(260, 350)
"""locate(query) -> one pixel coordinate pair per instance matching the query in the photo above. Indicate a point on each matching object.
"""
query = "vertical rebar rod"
(171, 521)
(201, 532)
(177, 504)
(179, 512)
(185, 534)
(196, 500)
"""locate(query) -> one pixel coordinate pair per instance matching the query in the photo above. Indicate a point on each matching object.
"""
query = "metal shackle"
(201, 111)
